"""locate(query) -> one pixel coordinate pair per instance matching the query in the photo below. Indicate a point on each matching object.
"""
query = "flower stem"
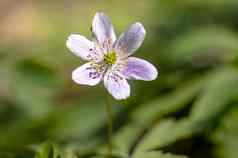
(110, 125)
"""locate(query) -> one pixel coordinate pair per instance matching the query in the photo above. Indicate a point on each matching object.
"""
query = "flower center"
(110, 58)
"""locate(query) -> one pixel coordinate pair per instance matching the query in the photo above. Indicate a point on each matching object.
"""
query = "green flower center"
(110, 58)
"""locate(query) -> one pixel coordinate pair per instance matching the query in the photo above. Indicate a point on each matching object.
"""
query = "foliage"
(189, 111)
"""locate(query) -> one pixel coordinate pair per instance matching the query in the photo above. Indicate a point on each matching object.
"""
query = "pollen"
(110, 58)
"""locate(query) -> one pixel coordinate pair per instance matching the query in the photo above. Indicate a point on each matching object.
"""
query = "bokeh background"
(191, 110)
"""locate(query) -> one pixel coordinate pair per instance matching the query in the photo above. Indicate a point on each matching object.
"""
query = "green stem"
(110, 125)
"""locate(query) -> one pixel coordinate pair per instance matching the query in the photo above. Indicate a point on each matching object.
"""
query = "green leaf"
(149, 154)
(156, 154)
(169, 103)
(203, 47)
(147, 113)
(34, 87)
(82, 120)
(219, 93)
(164, 133)
(28, 132)
(225, 136)
(125, 138)
(48, 150)
(211, 103)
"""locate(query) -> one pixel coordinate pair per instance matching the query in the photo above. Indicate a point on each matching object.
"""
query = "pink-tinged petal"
(102, 29)
(131, 39)
(139, 69)
(88, 74)
(83, 48)
(117, 85)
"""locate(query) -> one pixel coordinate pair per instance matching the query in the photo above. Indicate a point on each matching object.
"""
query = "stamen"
(110, 58)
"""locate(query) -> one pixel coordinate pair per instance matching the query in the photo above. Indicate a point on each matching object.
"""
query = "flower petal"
(102, 28)
(88, 74)
(131, 40)
(83, 48)
(117, 85)
(139, 69)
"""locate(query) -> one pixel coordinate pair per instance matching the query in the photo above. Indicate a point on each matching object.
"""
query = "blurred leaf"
(35, 84)
(169, 103)
(213, 101)
(164, 133)
(124, 140)
(147, 113)
(82, 120)
(48, 150)
(24, 132)
(203, 47)
(215, 3)
(219, 93)
(156, 154)
(148, 154)
(226, 135)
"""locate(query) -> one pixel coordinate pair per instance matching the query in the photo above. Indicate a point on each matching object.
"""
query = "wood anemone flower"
(109, 58)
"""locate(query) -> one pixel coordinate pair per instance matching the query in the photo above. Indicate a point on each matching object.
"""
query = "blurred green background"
(191, 110)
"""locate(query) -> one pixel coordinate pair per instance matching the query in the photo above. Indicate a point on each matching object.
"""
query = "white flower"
(108, 57)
